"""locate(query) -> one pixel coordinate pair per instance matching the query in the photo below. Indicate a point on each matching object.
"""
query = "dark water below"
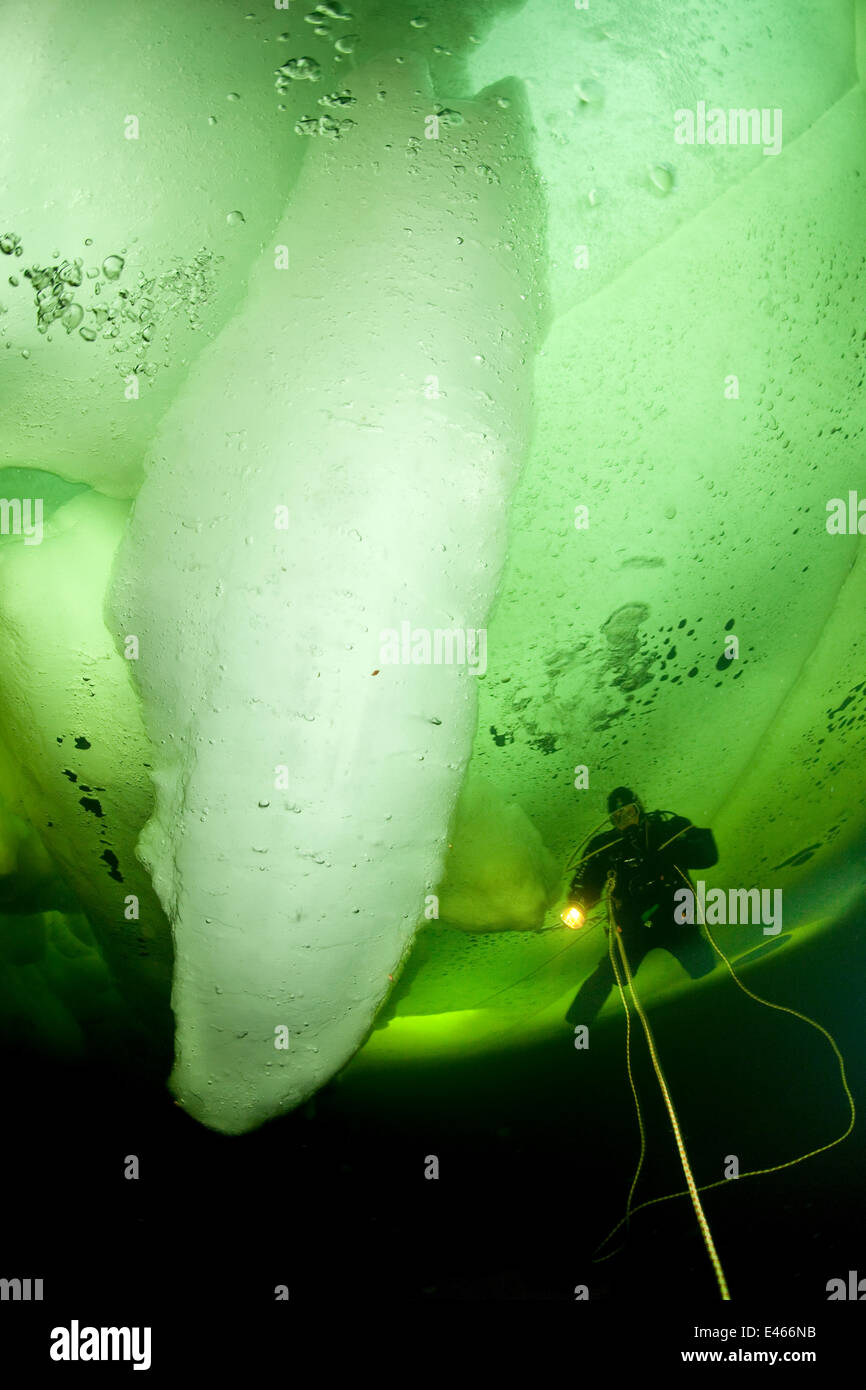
(537, 1148)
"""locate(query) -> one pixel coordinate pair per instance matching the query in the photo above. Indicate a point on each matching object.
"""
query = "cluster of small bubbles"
(487, 173)
(10, 244)
(297, 70)
(53, 287)
(186, 286)
(132, 314)
(343, 98)
(332, 128)
(328, 126)
(105, 318)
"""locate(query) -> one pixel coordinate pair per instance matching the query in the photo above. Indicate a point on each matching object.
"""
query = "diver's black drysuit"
(643, 898)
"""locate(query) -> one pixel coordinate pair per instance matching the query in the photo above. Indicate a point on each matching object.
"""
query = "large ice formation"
(338, 464)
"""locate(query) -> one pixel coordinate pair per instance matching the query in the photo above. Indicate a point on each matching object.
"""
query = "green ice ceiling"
(318, 321)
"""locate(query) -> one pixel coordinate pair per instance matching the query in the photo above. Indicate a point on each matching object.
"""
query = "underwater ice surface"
(473, 335)
(267, 655)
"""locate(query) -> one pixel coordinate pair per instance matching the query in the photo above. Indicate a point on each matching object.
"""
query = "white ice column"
(378, 389)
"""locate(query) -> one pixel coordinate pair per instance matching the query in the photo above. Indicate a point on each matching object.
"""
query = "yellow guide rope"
(704, 1225)
(690, 1188)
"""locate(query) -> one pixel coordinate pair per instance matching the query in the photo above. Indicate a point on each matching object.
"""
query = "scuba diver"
(645, 864)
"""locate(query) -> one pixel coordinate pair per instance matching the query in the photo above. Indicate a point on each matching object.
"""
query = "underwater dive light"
(573, 917)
